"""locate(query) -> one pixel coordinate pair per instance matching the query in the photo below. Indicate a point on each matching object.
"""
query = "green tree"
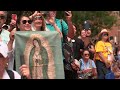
(98, 19)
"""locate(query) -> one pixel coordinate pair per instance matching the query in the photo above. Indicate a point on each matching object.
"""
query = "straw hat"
(103, 31)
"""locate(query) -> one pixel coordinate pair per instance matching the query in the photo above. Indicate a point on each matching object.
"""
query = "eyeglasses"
(38, 18)
(25, 21)
(2, 17)
(86, 54)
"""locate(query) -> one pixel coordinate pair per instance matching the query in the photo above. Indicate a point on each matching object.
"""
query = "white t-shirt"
(11, 57)
(16, 75)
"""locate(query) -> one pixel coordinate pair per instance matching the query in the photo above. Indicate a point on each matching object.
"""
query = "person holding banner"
(23, 24)
(5, 73)
(38, 23)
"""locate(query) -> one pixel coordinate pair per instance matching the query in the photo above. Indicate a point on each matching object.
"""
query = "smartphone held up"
(44, 12)
(14, 17)
(67, 13)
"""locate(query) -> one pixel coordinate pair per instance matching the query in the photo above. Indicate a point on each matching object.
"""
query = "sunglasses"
(2, 17)
(38, 18)
(25, 21)
(106, 34)
(86, 54)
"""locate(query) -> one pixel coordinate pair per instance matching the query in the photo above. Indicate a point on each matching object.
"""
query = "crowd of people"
(88, 59)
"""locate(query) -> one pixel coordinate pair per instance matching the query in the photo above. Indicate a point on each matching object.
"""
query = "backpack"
(67, 48)
(10, 73)
(68, 52)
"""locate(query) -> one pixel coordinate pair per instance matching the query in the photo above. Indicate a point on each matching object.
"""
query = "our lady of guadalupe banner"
(41, 51)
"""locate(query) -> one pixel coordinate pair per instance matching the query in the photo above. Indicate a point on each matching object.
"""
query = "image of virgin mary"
(38, 60)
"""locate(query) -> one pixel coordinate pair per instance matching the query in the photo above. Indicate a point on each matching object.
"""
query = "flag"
(42, 52)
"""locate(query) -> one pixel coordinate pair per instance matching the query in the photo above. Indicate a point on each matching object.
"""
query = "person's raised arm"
(52, 22)
(70, 24)
(34, 14)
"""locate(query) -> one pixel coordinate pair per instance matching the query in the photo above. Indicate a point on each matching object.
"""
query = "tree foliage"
(98, 19)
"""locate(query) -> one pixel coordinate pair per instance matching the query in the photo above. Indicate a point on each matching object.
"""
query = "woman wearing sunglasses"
(23, 24)
(87, 67)
(38, 23)
(104, 54)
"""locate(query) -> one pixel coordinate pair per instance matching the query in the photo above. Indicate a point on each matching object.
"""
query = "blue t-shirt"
(90, 64)
(63, 28)
(62, 25)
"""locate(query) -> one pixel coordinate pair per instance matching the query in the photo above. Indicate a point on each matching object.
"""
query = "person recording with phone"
(13, 22)
(38, 23)
(77, 46)
(59, 25)
(87, 39)
(65, 30)
(23, 24)
(87, 28)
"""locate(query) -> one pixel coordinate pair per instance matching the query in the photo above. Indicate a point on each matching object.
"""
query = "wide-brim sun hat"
(103, 31)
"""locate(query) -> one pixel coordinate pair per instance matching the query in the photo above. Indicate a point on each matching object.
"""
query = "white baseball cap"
(4, 49)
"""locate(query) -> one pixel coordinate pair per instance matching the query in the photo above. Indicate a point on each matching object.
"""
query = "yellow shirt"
(104, 47)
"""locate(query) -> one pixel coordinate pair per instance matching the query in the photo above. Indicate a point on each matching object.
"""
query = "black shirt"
(77, 45)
